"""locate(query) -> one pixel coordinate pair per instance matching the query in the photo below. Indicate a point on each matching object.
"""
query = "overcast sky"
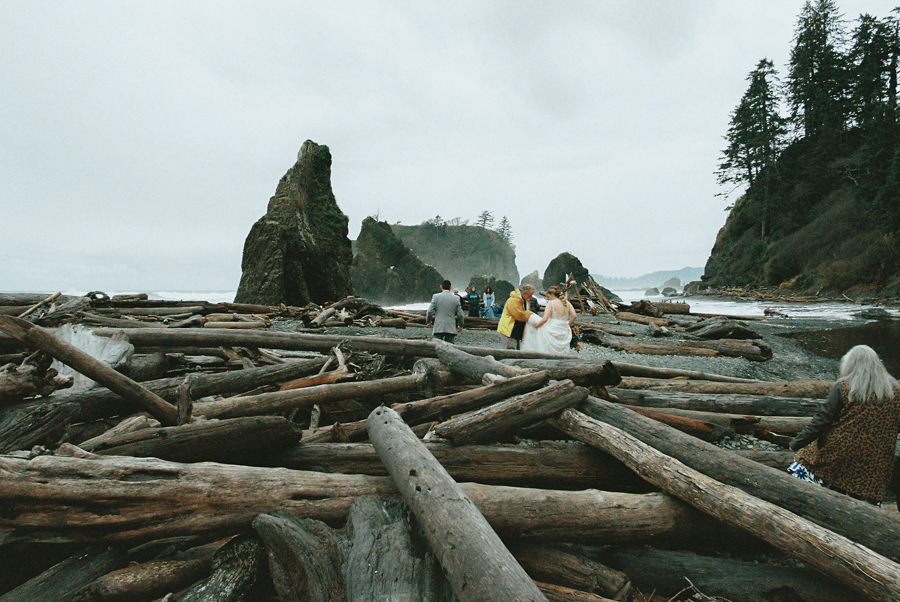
(140, 141)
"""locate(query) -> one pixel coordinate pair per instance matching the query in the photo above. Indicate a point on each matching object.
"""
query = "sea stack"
(299, 251)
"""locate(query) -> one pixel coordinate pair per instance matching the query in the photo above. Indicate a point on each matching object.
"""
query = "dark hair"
(489, 290)
(446, 285)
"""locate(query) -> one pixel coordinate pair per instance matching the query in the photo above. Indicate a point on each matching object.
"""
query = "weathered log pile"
(318, 467)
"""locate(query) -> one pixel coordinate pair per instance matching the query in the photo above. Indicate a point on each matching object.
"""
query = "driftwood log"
(42, 424)
(244, 440)
(725, 578)
(90, 367)
(65, 580)
(472, 366)
(816, 389)
(100, 403)
(33, 376)
(439, 408)
(855, 519)
(498, 420)
(625, 369)
(305, 398)
(477, 564)
(297, 341)
(545, 464)
(556, 566)
(753, 351)
(584, 373)
(235, 573)
(755, 405)
(834, 555)
(119, 498)
(379, 555)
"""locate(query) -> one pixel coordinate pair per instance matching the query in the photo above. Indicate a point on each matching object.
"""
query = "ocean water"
(833, 311)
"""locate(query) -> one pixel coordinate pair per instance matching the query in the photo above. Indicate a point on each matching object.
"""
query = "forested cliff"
(818, 161)
(461, 251)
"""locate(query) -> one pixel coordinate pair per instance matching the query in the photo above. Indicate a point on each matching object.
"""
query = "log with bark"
(816, 389)
(755, 405)
(858, 520)
(834, 555)
(744, 424)
(477, 564)
(90, 367)
(119, 498)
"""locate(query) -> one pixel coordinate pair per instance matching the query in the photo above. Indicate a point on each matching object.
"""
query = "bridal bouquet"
(575, 343)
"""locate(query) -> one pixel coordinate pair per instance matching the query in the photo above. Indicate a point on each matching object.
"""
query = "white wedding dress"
(554, 336)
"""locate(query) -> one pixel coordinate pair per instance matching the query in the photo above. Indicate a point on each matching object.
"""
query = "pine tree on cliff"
(485, 220)
(755, 138)
(505, 230)
(817, 78)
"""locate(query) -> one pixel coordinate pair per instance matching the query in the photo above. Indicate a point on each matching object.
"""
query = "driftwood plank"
(475, 561)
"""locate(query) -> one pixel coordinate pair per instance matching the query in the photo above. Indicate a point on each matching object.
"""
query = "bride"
(553, 332)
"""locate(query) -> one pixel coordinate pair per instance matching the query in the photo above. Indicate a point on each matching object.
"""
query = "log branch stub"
(477, 564)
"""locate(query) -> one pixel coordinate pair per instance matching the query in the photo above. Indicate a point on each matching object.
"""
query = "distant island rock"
(386, 271)
(460, 252)
(659, 279)
(299, 251)
(533, 279)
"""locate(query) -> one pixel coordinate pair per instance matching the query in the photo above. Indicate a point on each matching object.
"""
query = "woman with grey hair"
(849, 444)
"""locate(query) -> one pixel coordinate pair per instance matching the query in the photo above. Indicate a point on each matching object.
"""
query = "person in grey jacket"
(445, 312)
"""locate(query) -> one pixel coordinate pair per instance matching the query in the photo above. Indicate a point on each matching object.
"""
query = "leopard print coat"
(857, 453)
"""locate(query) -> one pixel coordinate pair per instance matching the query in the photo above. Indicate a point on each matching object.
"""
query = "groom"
(516, 311)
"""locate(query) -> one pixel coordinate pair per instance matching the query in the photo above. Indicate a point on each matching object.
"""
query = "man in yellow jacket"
(516, 311)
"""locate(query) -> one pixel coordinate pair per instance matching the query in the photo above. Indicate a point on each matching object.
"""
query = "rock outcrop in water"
(562, 264)
(385, 271)
(299, 252)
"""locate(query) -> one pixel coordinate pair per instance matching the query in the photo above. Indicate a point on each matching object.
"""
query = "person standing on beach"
(518, 308)
(474, 301)
(445, 312)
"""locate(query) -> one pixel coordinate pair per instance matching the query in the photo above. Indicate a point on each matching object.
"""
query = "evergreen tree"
(872, 69)
(755, 137)
(816, 85)
(505, 230)
(485, 220)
